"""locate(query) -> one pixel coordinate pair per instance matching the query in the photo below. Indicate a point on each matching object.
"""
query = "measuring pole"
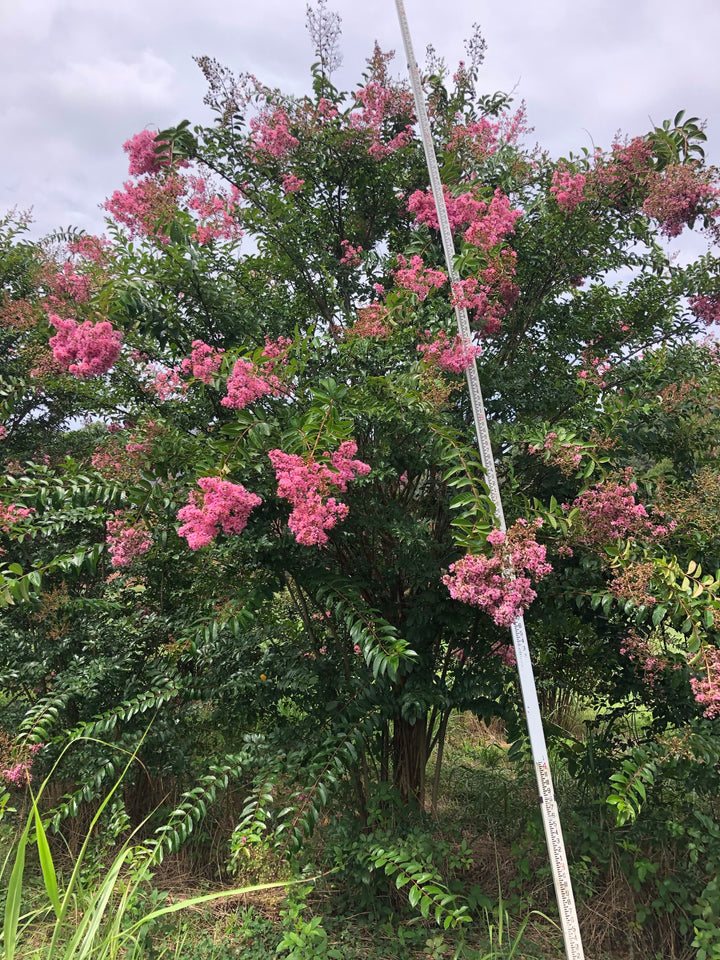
(551, 820)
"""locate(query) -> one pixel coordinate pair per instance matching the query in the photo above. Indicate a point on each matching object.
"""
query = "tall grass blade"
(14, 897)
(90, 924)
(46, 862)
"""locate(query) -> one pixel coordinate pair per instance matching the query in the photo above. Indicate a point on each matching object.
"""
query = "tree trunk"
(409, 747)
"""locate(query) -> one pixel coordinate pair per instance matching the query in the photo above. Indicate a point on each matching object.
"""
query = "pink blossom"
(625, 172)
(452, 356)
(74, 286)
(351, 255)
(221, 505)
(125, 541)
(417, 278)
(609, 511)
(166, 383)
(249, 381)
(480, 139)
(372, 321)
(501, 584)
(706, 687)
(86, 349)
(271, 137)
(291, 183)
(640, 651)
(246, 384)
(461, 210)
(11, 514)
(141, 149)
(506, 653)
(89, 247)
(216, 211)
(676, 196)
(326, 109)
(306, 484)
(380, 106)
(18, 774)
(276, 350)
(203, 362)
(489, 295)
(706, 309)
(568, 189)
(146, 207)
(498, 221)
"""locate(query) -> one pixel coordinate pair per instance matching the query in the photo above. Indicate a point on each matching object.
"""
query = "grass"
(121, 906)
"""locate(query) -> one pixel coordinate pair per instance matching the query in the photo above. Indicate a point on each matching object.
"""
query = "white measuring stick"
(551, 820)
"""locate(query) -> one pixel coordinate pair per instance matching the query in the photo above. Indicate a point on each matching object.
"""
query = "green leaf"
(46, 863)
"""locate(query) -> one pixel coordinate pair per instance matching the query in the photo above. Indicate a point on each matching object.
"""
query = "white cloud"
(111, 83)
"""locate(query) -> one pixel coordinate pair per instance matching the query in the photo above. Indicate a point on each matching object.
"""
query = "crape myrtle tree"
(243, 492)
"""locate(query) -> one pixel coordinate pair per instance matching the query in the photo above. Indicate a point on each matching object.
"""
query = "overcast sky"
(78, 77)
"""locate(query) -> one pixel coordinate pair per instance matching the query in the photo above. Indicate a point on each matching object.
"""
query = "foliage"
(98, 920)
(247, 522)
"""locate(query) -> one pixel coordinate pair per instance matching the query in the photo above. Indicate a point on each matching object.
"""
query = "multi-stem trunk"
(409, 753)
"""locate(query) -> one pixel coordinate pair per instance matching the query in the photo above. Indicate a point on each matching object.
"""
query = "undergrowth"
(469, 880)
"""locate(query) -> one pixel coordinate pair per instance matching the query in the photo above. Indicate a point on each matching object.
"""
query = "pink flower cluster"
(472, 295)
(216, 211)
(276, 350)
(20, 772)
(417, 278)
(566, 456)
(569, 189)
(68, 283)
(501, 584)
(126, 542)
(326, 109)
(351, 255)
(609, 511)
(165, 382)
(640, 652)
(86, 349)
(706, 688)
(497, 221)
(11, 514)
(245, 385)
(248, 382)
(489, 295)
(461, 210)
(271, 136)
(146, 207)
(378, 104)
(593, 373)
(506, 653)
(291, 183)
(482, 138)
(221, 505)
(372, 321)
(487, 223)
(675, 198)
(452, 356)
(203, 362)
(141, 149)
(306, 483)
(706, 309)
(479, 139)
(625, 171)
(89, 247)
